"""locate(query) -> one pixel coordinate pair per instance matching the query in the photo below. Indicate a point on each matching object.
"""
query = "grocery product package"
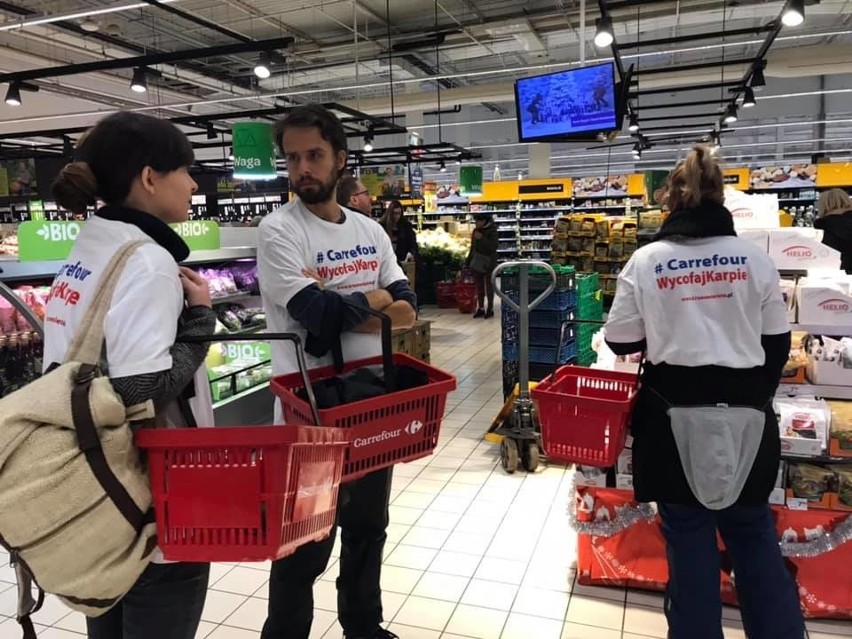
(803, 424)
(797, 361)
(841, 429)
(831, 362)
(825, 299)
(811, 483)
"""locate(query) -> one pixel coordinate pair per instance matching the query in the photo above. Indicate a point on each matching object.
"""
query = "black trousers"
(362, 515)
(166, 602)
(484, 290)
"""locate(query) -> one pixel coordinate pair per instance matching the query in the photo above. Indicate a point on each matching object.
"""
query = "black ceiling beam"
(696, 66)
(713, 35)
(679, 105)
(73, 27)
(688, 87)
(674, 127)
(662, 118)
(146, 60)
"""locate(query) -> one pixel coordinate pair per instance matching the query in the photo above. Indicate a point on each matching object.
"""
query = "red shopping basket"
(445, 293)
(466, 297)
(242, 494)
(583, 414)
(397, 427)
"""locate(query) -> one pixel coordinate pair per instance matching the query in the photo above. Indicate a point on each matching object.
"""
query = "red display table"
(636, 558)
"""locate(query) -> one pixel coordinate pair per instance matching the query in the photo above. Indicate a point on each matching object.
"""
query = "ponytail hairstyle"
(694, 180)
(111, 155)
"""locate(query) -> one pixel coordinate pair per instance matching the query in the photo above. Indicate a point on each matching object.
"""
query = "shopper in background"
(706, 307)
(401, 233)
(138, 166)
(482, 260)
(352, 194)
(313, 254)
(835, 220)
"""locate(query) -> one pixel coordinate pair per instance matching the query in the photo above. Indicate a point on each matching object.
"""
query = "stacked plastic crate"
(546, 322)
(589, 307)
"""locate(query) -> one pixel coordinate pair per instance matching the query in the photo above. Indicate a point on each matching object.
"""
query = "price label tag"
(797, 503)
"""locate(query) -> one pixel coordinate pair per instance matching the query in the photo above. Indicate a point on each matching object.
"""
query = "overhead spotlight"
(368, 143)
(748, 99)
(794, 13)
(603, 32)
(211, 132)
(731, 114)
(231, 154)
(139, 83)
(758, 80)
(634, 123)
(458, 161)
(13, 95)
(717, 142)
(442, 167)
(637, 151)
(262, 68)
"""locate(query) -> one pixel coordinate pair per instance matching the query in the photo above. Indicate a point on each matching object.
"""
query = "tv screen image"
(578, 101)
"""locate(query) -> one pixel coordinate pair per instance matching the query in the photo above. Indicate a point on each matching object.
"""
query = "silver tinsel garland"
(630, 514)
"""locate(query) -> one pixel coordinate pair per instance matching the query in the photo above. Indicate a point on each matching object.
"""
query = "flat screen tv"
(578, 103)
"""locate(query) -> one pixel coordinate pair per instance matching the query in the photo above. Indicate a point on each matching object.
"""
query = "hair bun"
(76, 188)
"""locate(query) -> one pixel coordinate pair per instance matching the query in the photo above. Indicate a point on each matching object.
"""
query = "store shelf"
(818, 329)
(231, 297)
(818, 459)
(252, 407)
(826, 392)
(248, 330)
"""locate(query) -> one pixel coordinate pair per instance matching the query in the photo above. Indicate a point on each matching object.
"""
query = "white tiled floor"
(472, 552)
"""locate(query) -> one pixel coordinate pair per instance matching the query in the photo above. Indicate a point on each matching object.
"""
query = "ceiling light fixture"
(368, 143)
(717, 142)
(442, 167)
(603, 32)
(458, 161)
(262, 69)
(731, 114)
(637, 151)
(634, 123)
(13, 95)
(231, 154)
(139, 83)
(794, 13)
(758, 80)
(748, 99)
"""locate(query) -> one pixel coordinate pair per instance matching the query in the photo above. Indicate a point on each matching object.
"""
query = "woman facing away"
(482, 260)
(402, 234)
(707, 309)
(139, 167)
(835, 220)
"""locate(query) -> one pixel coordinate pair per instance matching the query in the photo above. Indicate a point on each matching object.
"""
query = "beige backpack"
(75, 505)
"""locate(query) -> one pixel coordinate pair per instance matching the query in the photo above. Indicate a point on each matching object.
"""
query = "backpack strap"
(88, 341)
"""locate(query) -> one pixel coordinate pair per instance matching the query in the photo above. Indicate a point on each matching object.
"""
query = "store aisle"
(473, 552)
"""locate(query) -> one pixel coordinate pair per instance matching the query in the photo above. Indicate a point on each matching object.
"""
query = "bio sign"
(42, 241)
(199, 235)
(45, 241)
(247, 352)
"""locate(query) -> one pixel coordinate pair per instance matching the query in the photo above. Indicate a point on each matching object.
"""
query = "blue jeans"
(767, 592)
(166, 602)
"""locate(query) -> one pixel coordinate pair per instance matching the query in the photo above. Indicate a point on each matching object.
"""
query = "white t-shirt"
(699, 302)
(141, 324)
(353, 257)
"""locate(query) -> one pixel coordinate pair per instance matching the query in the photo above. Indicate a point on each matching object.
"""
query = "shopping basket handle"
(263, 336)
(523, 264)
(387, 345)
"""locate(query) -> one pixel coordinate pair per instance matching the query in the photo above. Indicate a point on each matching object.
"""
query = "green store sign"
(253, 352)
(42, 241)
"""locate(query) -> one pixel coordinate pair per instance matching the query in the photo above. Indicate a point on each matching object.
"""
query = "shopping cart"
(399, 426)
(519, 441)
(244, 493)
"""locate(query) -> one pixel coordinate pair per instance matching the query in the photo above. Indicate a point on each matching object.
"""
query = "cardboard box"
(825, 302)
(752, 211)
(758, 236)
(625, 482)
(625, 462)
(588, 476)
(800, 249)
(801, 447)
(829, 373)
(835, 449)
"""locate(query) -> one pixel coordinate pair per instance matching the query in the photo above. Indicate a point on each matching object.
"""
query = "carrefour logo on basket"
(798, 251)
(836, 305)
(412, 428)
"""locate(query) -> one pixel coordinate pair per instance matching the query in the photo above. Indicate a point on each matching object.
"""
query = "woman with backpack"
(138, 166)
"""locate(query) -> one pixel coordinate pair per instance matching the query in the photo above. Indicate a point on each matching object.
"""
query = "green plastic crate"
(540, 279)
(587, 284)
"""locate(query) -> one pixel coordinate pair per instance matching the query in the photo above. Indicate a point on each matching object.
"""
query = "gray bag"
(717, 447)
(480, 263)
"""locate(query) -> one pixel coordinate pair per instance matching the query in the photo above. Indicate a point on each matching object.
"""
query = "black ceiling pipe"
(663, 118)
(714, 35)
(688, 87)
(695, 66)
(146, 60)
(678, 105)
(201, 22)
